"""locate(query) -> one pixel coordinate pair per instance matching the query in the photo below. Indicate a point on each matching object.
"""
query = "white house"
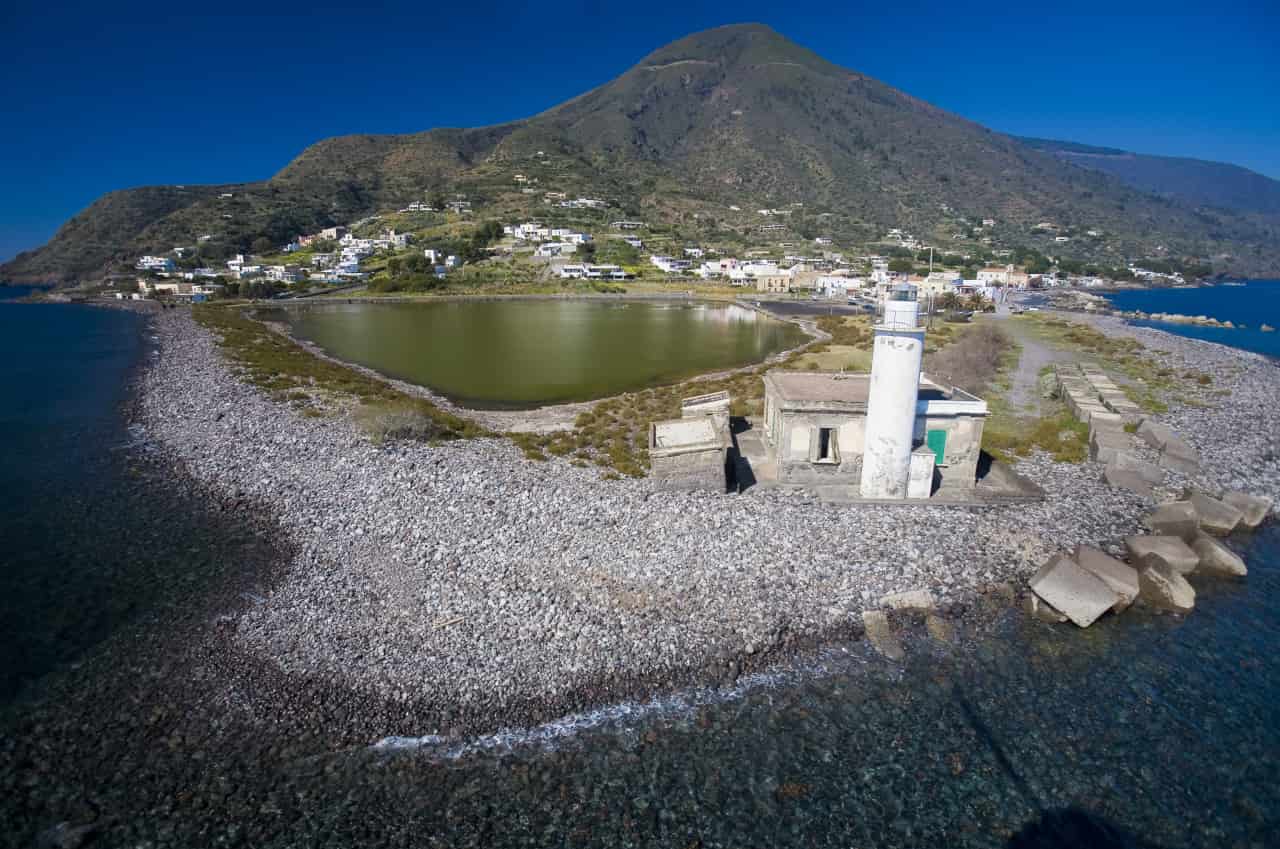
(716, 268)
(284, 273)
(555, 249)
(994, 274)
(155, 263)
(670, 264)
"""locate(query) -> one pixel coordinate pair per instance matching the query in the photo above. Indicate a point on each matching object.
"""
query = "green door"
(937, 442)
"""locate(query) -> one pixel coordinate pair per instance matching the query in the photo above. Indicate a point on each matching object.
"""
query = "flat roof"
(809, 387)
(683, 433)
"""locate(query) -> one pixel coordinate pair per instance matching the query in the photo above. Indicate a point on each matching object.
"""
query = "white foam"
(624, 716)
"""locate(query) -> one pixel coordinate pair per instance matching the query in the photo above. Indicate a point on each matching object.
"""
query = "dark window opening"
(826, 444)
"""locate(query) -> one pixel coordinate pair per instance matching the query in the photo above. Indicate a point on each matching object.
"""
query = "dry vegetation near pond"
(292, 374)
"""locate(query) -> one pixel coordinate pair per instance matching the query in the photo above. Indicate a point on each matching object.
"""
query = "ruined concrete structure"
(816, 423)
(693, 451)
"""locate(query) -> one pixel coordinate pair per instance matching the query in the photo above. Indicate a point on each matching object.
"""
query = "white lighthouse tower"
(891, 398)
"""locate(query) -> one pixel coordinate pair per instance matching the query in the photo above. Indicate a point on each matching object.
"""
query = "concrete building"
(693, 451)
(892, 433)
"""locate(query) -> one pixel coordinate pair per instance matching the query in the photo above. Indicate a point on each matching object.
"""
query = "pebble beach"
(461, 588)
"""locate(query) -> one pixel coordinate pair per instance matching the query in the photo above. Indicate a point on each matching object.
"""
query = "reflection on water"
(521, 353)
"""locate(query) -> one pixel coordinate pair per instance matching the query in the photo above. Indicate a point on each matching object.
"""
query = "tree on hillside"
(901, 265)
(262, 245)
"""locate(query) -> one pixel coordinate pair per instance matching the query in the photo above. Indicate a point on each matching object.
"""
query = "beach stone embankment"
(466, 588)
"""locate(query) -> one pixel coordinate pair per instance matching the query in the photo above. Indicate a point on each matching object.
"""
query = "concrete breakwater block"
(1068, 587)
(1216, 517)
(1169, 550)
(1162, 587)
(1124, 479)
(1154, 433)
(1036, 608)
(1176, 454)
(1254, 509)
(881, 635)
(1120, 577)
(909, 600)
(1131, 462)
(1105, 444)
(1101, 417)
(1175, 519)
(1217, 559)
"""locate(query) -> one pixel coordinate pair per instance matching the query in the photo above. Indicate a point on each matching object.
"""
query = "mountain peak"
(735, 45)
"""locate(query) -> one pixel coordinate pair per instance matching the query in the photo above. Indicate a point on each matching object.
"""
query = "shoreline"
(484, 622)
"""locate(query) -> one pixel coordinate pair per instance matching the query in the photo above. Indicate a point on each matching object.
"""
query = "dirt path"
(1024, 391)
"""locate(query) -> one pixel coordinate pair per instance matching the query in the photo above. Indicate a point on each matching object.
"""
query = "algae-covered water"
(529, 352)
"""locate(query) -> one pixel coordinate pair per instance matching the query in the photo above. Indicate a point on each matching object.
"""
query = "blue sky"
(106, 96)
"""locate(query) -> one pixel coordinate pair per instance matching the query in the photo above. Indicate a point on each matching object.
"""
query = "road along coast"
(463, 588)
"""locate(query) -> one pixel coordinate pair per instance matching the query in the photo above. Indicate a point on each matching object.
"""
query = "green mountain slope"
(736, 115)
(1195, 181)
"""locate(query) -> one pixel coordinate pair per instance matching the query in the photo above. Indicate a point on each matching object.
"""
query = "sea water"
(1143, 730)
(1249, 306)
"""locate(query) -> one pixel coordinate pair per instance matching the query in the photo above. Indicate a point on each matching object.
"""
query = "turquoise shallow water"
(1144, 730)
(1254, 304)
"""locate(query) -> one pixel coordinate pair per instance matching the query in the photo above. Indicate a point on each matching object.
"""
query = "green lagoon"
(526, 353)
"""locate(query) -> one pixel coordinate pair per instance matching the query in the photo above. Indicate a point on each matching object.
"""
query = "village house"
(283, 273)
(670, 264)
(548, 249)
(993, 274)
(716, 268)
(155, 263)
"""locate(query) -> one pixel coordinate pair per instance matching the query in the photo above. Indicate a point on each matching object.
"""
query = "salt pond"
(515, 353)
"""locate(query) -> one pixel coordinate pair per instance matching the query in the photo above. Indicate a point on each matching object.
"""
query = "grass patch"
(1059, 434)
(1150, 384)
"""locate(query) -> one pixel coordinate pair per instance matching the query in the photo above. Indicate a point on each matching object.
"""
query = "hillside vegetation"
(734, 116)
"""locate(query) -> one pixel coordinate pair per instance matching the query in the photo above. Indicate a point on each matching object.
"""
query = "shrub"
(973, 360)
(394, 420)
